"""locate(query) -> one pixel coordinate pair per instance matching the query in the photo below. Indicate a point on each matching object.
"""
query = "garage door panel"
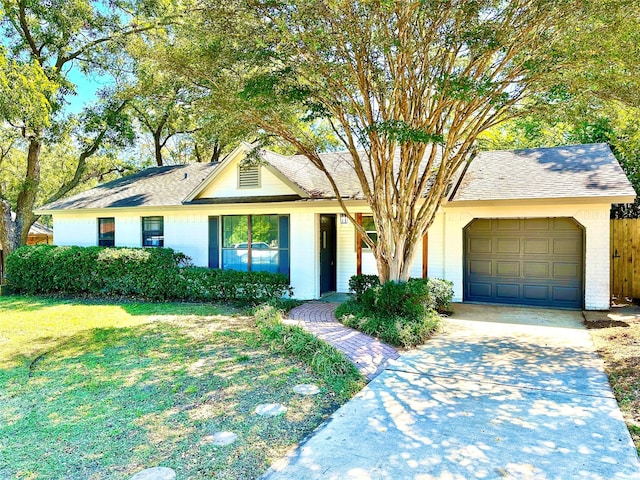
(480, 267)
(480, 245)
(566, 294)
(525, 261)
(567, 246)
(537, 293)
(507, 291)
(508, 269)
(508, 246)
(536, 246)
(480, 290)
(536, 269)
(508, 224)
(566, 270)
(561, 223)
(537, 224)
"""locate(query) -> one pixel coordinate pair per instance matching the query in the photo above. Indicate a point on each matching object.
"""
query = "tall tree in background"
(185, 124)
(411, 80)
(52, 39)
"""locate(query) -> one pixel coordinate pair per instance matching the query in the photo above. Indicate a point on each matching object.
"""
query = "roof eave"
(604, 199)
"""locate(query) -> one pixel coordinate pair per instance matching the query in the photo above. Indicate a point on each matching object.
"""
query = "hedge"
(404, 314)
(155, 274)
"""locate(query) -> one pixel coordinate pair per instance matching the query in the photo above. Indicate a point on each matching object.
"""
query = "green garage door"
(526, 261)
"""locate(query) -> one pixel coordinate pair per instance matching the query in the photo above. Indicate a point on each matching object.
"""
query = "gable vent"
(249, 177)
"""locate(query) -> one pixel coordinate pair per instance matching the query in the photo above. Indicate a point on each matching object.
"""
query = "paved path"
(369, 355)
(501, 393)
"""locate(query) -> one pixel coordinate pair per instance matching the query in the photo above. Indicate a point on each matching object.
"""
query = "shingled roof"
(558, 172)
(152, 187)
(542, 173)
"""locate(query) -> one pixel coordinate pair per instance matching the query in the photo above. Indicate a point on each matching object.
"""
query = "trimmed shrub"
(359, 284)
(198, 283)
(440, 291)
(145, 273)
(400, 313)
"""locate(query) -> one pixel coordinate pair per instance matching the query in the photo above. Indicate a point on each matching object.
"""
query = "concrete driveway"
(501, 393)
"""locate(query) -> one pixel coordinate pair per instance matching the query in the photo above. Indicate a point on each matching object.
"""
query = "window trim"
(363, 245)
(250, 240)
(246, 168)
(144, 233)
(100, 240)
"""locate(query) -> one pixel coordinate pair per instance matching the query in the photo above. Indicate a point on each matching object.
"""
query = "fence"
(625, 258)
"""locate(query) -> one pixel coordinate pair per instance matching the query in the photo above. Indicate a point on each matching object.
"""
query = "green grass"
(98, 390)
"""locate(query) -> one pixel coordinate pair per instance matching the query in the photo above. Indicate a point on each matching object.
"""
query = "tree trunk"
(215, 153)
(157, 145)
(395, 257)
(14, 232)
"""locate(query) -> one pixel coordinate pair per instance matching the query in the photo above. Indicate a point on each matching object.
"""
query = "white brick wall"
(593, 217)
(186, 229)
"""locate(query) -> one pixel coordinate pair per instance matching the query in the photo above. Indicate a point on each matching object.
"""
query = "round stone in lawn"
(270, 409)
(155, 473)
(221, 438)
(306, 389)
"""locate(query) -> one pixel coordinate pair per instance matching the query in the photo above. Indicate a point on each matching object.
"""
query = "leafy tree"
(183, 123)
(419, 79)
(44, 42)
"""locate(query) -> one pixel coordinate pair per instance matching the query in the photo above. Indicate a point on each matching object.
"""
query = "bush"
(440, 291)
(198, 284)
(145, 273)
(400, 313)
(359, 284)
(324, 359)
(441, 294)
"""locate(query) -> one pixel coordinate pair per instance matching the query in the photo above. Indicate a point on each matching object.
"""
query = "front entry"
(327, 253)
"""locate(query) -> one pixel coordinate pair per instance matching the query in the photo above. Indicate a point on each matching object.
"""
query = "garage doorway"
(524, 261)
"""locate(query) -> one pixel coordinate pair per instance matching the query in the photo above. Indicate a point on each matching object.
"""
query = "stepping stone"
(221, 438)
(270, 409)
(306, 389)
(155, 473)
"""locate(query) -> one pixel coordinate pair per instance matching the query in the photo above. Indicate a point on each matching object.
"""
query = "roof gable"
(224, 182)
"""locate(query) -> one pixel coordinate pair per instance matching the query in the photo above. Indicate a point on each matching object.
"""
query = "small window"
(152, 231)
(249, 176)
(369, 227)
(106, 232)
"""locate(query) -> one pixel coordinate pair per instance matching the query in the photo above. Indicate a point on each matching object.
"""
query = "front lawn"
(98, 390)
(617, 338)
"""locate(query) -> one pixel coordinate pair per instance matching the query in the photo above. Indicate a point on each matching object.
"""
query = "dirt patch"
(605, 324)
(616, 335)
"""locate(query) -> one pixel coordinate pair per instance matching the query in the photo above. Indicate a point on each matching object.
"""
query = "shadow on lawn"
(108, 402)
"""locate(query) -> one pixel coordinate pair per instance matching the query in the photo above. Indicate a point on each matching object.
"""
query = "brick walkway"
(369, 355)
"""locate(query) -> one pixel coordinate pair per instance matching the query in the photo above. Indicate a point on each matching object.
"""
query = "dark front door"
(526, 261)
(327, 253)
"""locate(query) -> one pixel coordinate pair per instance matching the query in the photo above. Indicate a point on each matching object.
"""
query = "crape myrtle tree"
(412, 80)
(44, 43)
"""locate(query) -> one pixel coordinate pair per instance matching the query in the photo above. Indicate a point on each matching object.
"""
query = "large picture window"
(106, 232)
(152, 231)
(258, 243)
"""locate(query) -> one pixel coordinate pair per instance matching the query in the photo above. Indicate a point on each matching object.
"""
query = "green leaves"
(25, 93)
(401, 132)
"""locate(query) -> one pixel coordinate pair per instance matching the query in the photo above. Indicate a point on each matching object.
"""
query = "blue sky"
(86, 88)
